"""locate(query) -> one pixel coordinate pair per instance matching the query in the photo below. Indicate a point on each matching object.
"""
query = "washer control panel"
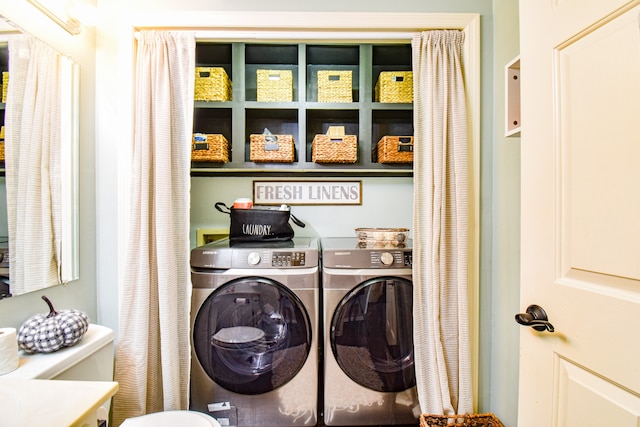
(288, 259)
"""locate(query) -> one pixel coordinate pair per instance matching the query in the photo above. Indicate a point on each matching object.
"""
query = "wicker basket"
(395, 86)
(5, 85)
(209, 148)
(334, 149)
(212, 84)
(335, 86)
(271, 148)
(469, 420)
(395, 149)
(1, 151)
(275, 85)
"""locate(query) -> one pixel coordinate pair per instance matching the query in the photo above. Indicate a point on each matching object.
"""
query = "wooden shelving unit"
(304, 116)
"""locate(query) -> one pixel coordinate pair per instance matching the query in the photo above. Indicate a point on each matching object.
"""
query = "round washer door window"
(252, 335)
(372, 334)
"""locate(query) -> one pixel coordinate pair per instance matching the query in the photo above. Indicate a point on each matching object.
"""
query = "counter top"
(52, 403)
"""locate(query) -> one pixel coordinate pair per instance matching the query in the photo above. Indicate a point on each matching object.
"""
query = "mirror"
(39, 177)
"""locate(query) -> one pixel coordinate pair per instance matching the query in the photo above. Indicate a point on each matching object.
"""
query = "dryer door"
(372, 334)
(252, 335)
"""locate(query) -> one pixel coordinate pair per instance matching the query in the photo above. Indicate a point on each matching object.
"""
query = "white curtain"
(441, 201)
(32, 164)
(153, 349)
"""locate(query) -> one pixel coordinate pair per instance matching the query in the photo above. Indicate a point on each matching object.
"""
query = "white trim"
(317, 26)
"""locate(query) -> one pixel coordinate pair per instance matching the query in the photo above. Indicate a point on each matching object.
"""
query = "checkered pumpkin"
(49, 332)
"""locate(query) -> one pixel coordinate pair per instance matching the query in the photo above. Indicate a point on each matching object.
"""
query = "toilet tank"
(91, 359)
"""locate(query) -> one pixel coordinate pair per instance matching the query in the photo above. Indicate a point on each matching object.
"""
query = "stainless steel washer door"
(371, 334)
(252, 335)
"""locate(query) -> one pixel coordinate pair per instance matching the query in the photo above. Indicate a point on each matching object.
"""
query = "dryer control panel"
(346, 253)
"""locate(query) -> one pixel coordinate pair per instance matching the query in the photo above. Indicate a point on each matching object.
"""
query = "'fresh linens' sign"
(307, 192)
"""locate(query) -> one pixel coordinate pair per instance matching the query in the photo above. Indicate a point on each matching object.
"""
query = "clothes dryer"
(254, 332)
(369, 375)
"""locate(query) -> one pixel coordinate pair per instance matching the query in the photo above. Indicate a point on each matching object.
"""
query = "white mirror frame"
(69, 167)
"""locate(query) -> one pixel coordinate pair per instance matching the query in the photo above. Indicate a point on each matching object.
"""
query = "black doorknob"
(535, 317)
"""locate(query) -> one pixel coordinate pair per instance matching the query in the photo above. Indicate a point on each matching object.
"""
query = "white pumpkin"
(49, 332)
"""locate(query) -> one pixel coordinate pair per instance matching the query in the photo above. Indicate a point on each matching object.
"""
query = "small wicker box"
(275, 85)
(334, 149)
(209, 148)
(271, 148)
(335, 86)
(395, 149)
(5, 85)
(212, 84)
(395, 87)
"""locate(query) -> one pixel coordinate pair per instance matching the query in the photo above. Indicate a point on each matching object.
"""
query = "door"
(580, 77)
(371, 334)
(252, 335)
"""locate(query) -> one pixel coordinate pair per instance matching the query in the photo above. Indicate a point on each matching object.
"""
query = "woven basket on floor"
(468, 420)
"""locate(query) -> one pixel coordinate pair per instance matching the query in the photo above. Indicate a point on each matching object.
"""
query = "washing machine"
(254, 323)
(369, 375)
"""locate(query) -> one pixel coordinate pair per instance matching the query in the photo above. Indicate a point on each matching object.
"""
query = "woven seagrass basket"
(2, 144)
(5, 85)
(274, 85)
(334, 149)
(394, 87)
(271, 148)
(395, 149)
(468, 420)
(335, 86)
(212, 84)
(209, 148)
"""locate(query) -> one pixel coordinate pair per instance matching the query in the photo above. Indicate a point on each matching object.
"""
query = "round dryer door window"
(252, 335)
(372, 334)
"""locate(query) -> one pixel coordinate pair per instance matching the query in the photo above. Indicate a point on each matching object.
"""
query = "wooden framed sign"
(307, 192)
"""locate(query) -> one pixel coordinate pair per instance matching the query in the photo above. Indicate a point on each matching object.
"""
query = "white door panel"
(580, 77)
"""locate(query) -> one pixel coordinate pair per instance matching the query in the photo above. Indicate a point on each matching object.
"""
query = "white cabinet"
(512, 98)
